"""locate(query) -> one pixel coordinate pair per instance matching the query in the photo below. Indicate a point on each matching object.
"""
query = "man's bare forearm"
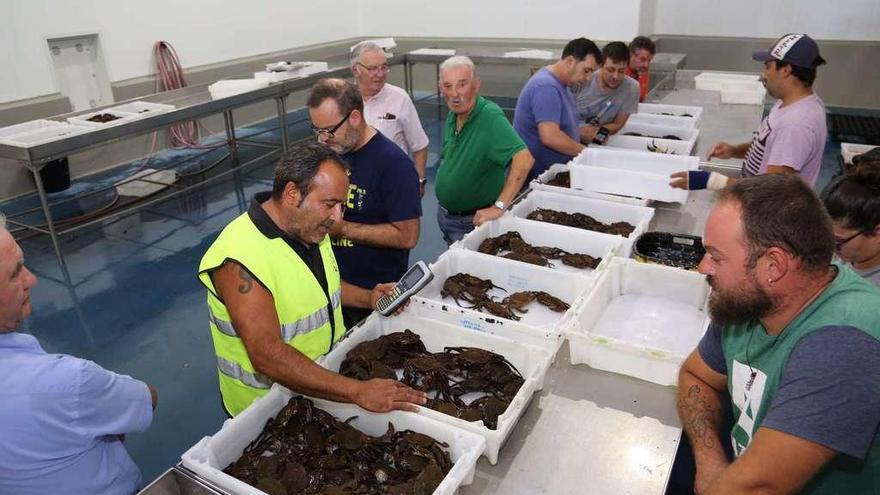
(520, 167)
(382, 235)
(354, 296)
(700, 410)
(740, 150)
(420, 159)
(289, 367)
(560, 142)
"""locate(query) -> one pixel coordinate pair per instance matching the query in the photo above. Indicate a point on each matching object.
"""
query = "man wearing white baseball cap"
(792, 137)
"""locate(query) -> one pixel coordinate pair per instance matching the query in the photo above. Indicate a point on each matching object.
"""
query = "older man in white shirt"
(387, 107)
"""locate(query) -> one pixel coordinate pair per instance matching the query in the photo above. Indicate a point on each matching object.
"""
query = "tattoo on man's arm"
(699, 416)
(247, 281)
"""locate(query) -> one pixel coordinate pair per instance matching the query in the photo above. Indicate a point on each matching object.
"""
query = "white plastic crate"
(581, 241)
(850, 150)
(529, 53)
(44, 135)
(669, 146)
(743, 92)
(712, 81)
(676, 110)
(640, 320)
(631, 173)
(232, 87)
(603, 211)
(212, 454)
(25, 127)
(540, 184)
(550, 339)
(512, 276)
(664, 120)
(143, 108)
(82, 120)
(659, 130)
(531, 362)
(297, 70)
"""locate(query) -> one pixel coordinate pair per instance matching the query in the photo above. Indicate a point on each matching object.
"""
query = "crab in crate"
(448, 376)
(515, 248)
(305, 449)
(562, 179)
(580, 221)
(653, 148)
(509, 306)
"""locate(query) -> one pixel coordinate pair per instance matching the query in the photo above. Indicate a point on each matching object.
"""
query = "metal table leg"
(282, 120)
(230, 137)
(407, 78)
(53, 235)
(44, 202)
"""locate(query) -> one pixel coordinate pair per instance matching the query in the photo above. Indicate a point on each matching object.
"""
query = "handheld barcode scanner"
(412, 281)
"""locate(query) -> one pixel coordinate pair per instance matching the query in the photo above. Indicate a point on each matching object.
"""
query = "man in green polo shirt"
(473, 182)
(793, 352)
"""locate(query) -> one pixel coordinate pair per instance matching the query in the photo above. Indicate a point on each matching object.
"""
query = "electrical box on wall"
(80, 72)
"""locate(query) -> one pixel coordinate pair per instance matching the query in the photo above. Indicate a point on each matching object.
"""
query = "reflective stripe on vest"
(304, 325)
(233, 370)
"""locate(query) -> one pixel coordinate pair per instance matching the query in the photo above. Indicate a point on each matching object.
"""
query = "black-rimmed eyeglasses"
(331, 132)
(838, 243)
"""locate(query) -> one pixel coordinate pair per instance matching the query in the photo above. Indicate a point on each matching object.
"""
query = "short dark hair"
(806, 75)
(580, 48)
(854, 199)
(616, 51)
(344, 93)
(300, 164)
(781, 210)
(642, 43)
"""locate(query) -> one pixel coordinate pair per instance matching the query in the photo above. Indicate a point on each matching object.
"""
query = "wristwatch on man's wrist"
(500, 205)
(423, 180)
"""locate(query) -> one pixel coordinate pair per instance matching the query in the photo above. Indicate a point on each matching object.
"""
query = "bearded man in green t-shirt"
(793, 352)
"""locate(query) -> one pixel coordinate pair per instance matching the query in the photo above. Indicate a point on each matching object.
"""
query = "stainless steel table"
(193, 102)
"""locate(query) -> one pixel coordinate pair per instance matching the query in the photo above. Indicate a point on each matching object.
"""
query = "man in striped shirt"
(792, 137)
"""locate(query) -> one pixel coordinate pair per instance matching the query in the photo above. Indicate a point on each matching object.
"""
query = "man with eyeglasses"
(607, 101)
(387, 107)
(546, 116)
(484, 163)
(791, 139)
(383, 206)
(853, 201)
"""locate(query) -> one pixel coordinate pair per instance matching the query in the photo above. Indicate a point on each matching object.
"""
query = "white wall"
(556, 19)
(205, 31)
(202, 31)
(852, 20)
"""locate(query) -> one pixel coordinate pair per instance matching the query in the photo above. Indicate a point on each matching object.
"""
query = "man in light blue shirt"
(61, 418)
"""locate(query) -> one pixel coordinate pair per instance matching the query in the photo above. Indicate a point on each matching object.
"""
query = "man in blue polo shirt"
(546, 115)
(61, 418)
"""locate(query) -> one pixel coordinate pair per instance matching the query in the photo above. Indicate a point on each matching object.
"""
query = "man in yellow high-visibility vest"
(275, 295)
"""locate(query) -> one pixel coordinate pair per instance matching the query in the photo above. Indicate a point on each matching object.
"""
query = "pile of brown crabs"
(487, 379)
(581, 221)
(511, 245)
(306, 450)
(474, 290)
